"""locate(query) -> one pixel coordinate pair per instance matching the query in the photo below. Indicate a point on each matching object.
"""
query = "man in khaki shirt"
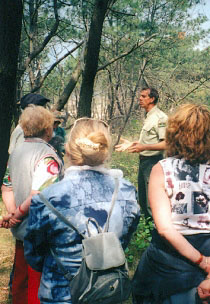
(150, 145)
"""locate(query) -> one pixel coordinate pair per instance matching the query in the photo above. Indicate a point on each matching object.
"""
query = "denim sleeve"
(35, 242)
(131, 215)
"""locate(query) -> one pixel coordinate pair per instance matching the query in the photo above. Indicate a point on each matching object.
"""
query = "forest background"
(91, 58)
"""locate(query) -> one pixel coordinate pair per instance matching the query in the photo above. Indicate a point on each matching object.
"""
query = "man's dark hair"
(153, 93)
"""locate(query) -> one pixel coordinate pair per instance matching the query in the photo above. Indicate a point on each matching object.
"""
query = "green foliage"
(174, 65)
(128, 163)
(140, 241)
(171, 64)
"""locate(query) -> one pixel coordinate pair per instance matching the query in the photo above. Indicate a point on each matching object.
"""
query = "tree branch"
(53, 66)
(141, 72)
(69, 88)
(46, 40)
(193, 90)
(136, 46)
(121, 13)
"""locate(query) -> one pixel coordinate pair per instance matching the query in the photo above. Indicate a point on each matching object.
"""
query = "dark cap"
(32, 98)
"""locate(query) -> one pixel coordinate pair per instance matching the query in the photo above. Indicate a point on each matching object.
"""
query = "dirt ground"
(6, 260)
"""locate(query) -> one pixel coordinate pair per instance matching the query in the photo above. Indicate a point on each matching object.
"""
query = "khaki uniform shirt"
(153, 130)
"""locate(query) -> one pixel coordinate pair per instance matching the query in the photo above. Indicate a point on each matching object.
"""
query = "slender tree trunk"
(111, 97)
(91, 58)
(10, 31)
(69, 88)
(141, 72)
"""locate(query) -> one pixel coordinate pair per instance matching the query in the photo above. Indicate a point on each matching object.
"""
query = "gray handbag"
(103, 274)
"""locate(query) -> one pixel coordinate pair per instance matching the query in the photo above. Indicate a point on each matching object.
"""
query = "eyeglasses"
(90, 119)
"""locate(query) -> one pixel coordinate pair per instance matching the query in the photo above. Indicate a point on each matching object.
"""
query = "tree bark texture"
(69, 88)
(10, 30)
(91, 57)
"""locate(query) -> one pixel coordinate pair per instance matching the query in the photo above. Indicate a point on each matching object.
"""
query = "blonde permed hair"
(188, 135)
(35, 120)
(89, 142)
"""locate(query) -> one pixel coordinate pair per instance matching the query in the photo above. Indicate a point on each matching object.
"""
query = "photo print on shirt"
(200, 202)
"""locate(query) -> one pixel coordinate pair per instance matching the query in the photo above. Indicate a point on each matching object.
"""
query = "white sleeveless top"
(188, 188)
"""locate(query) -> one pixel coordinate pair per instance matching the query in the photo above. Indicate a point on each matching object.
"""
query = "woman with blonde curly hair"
(84, 194)
(32, 166)
(176, 266)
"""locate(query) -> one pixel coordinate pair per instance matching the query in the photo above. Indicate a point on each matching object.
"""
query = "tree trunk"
(10, 31)
(69, 88)
(91, 58)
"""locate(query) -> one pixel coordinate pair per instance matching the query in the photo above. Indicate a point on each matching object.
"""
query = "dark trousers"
(145, 166)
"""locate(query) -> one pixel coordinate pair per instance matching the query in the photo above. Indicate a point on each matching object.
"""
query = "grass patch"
(128, 163)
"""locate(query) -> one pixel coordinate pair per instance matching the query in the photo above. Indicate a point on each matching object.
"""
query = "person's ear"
(153, 100)
(49, 132)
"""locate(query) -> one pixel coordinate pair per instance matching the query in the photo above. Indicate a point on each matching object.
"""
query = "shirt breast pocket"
(149, 135)
(149, 130)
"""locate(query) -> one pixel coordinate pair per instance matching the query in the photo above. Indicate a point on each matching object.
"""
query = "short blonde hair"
(188, 133)
(89, 142)
(35, 120)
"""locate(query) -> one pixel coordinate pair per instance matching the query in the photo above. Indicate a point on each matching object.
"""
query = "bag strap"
(66, 273)
(59, 215)
(68, 223)
(106, 228)
(114, 196)
(91, 219)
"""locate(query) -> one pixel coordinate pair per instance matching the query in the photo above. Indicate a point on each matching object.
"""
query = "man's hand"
(135, 147)
(123, 146)
(204, 291)
(130, 147)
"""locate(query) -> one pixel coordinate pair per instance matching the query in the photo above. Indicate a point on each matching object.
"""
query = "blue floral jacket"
(84, 192)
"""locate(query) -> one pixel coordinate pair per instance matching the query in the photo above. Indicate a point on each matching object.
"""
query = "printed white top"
(188, 188)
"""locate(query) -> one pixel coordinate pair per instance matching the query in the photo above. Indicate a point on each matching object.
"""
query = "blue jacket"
(84, 192)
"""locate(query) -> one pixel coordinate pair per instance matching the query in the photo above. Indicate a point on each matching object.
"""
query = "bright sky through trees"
(203, 9)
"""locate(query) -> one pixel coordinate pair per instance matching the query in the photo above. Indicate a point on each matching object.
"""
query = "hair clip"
(87, 144)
